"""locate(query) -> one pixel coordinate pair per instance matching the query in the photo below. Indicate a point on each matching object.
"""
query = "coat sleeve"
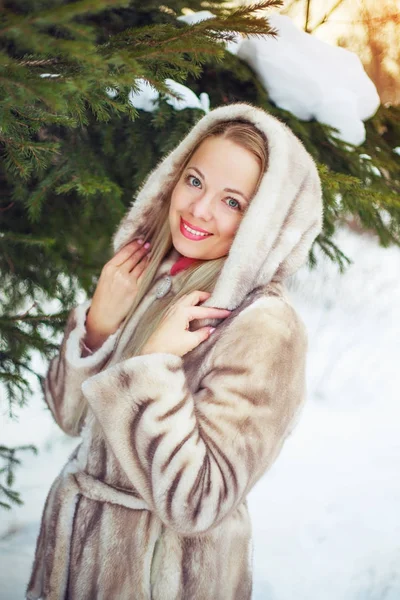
(194, 456)
(68, 370)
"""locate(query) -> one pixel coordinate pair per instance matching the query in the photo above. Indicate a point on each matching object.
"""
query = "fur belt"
(94, 489)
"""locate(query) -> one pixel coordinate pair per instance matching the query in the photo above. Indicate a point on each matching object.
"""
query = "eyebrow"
(225, 189)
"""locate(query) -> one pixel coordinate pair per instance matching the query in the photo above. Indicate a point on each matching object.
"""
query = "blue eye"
(192, 179)
(233, 200)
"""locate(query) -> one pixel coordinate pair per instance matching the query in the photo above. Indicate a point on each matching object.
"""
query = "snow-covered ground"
(326, 516)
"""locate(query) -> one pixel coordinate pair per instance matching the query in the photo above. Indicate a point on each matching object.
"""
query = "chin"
(185, 247)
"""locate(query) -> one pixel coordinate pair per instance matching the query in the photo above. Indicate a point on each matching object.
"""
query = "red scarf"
(182, 263)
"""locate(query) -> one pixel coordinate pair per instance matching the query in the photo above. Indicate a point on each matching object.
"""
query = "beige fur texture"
(152, 504)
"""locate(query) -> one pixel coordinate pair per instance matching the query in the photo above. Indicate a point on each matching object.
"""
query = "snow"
(308, 77)
(188, 98)
(146, 97)
(312, 79)
(366, 159)
(325, 517)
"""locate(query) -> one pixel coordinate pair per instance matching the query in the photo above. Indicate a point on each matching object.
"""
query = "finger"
(207, 312)
(203, 333)
(120, 257)
(193, 298)
(140, 269)
(132, 261)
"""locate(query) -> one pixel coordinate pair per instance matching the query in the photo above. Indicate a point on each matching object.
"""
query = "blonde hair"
(202, 274)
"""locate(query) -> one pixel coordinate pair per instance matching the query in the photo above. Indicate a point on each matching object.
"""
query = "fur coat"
(152, 503)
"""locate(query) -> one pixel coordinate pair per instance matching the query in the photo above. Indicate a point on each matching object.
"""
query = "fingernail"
(212, 329)
(140, 241)
(147, 245)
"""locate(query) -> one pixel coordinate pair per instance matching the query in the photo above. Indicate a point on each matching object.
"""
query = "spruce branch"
(9, 457)
(40, 319)
(17, 238)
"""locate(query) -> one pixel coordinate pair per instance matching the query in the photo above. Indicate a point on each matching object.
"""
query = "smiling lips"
(193, 233)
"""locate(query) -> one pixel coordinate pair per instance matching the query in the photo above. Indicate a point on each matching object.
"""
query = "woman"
(185, 372)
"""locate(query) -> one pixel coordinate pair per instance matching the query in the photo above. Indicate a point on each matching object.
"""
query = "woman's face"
(211, 196)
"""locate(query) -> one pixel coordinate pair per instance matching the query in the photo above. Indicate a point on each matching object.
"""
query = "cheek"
(178, 198)
(228, 227)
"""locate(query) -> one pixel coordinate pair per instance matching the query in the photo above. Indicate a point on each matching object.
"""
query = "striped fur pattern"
(152, 504)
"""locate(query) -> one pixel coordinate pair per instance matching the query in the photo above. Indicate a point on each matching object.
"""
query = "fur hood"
(281, 223)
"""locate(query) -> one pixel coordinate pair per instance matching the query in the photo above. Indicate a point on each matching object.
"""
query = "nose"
(202, 208)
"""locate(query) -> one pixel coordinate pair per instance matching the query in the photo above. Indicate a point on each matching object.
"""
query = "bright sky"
(345, 23)
(343, 18)
(337, 25)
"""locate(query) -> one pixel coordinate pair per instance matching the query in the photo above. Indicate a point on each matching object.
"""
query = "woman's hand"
(116, 289)
(173, 335)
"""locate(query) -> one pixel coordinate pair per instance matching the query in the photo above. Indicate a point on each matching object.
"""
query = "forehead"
(222, 161)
